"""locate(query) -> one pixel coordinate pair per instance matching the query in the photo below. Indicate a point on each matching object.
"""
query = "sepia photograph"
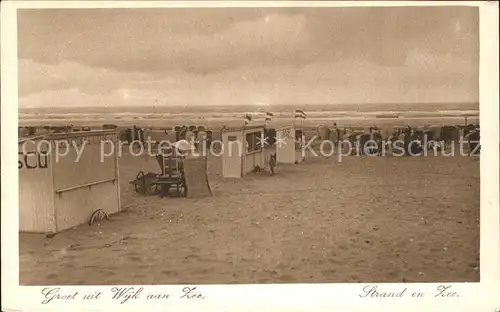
(249, 145)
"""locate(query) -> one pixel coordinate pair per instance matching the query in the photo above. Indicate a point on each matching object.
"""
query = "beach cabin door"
(232, 160)
(285, 145)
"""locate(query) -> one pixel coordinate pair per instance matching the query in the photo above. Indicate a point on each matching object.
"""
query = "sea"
(341, 114)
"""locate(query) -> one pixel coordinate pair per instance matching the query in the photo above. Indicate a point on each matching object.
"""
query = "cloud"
(207, 40)
(35, 77)
(245, 55)
(316, 83)
(145, 41)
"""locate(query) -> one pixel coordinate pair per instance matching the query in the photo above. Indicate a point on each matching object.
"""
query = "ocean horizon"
(155, 116)
(276, 108)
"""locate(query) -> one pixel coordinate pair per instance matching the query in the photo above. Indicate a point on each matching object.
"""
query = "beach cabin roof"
(243, 128)
(31, 138)
(295, 127)
(56, 136)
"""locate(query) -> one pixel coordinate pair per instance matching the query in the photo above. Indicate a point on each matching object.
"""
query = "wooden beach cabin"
(289, 145)
(242, 150)
(58, 190)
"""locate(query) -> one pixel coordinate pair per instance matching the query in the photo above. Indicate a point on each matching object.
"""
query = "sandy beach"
(365, 219)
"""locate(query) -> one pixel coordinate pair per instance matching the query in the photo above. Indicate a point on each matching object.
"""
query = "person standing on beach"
(190, 137)
(402, 142)
(272, 162)
(335, 136)
(346, 144)
(201, 139)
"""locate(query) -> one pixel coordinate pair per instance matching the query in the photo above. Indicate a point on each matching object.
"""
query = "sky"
(236, 56)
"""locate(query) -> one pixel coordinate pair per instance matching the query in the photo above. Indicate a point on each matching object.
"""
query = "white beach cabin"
(242, 150)
(289, 145)
(58, 190)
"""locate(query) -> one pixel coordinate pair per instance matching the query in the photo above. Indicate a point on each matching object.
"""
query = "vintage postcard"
(250, 155)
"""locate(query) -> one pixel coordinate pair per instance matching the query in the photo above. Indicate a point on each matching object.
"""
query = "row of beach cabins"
(197, 133)
(57, 194)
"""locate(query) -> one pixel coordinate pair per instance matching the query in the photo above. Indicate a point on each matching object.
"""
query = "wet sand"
(366, 219)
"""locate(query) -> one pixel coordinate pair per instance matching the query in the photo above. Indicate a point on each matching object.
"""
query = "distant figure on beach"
(272, 162)
(345, 142)
(201, 138)
(473, 139)
(379, 148)
(209, 139)
(189, 136)
(401, 142)
(408, 129)
(335, 135)
(414, 145)
(137, 137)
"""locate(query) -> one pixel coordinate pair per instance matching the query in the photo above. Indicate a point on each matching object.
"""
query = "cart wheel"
(140, 185)
(183, 190)
(153, 189)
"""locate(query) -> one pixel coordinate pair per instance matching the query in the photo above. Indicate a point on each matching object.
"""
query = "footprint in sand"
(94, 267)
(343, 247)
(144, 266)
(205, 271)
(52, 276)
(286, 278)
(108, 273)
(353, 278)
(328, 272)
(194, 249)
(393, 275)
(335, 261)
(169, 272)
